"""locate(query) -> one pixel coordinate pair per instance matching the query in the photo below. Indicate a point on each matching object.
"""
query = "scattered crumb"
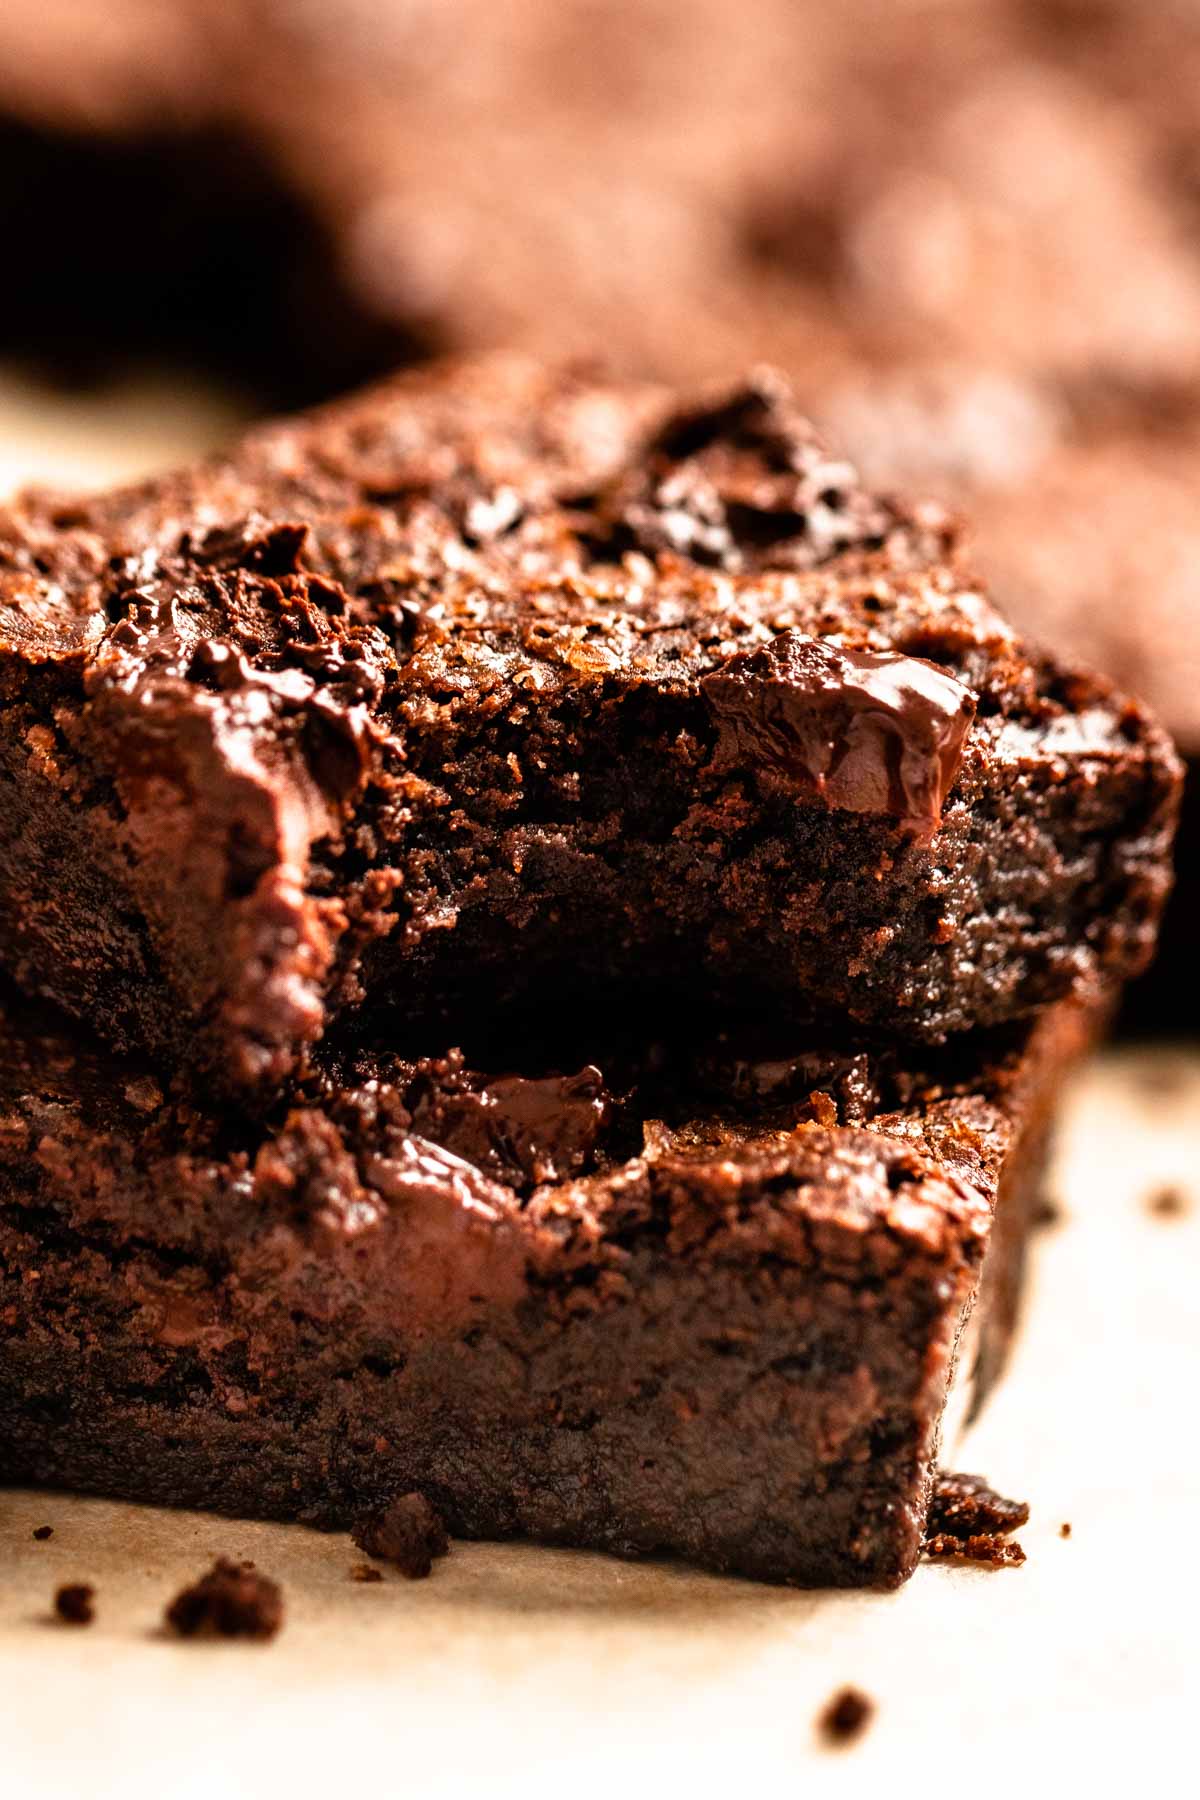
(984, 1547)
(1047, 1212)
(42, 1532)
(408, 1533)
(965, 1506)
(232, 1600)
(73, 1603)
(1064, 1529)
(365, 1572)
(1167, 1203)
(846, 1717)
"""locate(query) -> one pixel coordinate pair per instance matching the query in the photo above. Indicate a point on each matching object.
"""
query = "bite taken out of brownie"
(701, 1299)
(505, 679)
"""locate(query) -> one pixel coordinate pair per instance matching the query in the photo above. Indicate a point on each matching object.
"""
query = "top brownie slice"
(498, 679)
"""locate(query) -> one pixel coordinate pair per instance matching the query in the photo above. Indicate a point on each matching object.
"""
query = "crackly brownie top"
(488, 537)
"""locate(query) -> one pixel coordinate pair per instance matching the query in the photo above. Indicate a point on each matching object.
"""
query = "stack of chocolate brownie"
(544, 926)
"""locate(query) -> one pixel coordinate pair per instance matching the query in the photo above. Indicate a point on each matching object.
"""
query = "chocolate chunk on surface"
(379, 710)
(869, 731)
(231, 1601)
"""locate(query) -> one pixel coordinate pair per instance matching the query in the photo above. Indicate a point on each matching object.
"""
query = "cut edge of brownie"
(734, 1347)
(497, 672)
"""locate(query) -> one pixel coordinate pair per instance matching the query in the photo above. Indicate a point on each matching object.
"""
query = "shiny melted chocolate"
(867, 731)
(518, 1130)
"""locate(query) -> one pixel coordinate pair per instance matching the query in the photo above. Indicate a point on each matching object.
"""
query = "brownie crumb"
(42, 1532)
(1064, 1529)
(1167, 1203)
(965, 1506)
(365, 1572)
(73, 1603)
(846, 1717)
(408, 1533)
(984, 1548)
(232, 1600)
(1047, 1213)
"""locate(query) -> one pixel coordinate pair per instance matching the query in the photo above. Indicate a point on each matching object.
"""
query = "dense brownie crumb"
(408, 1533)
(986, 1548)
(1064, 1530)
(1048, 1213)
(42, 1532)
(846, 1716)
(232, 1600)
(489, 1284)
(73, 1603)
(364, 1572)
(1167, 1203)
(965, 1505)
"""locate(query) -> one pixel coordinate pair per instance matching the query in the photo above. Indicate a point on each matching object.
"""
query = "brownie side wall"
(765, 1418)
(1025, 893)
(1038, 881)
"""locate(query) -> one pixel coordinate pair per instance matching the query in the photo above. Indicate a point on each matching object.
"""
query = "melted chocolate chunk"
(867, 731)
(519, 1130)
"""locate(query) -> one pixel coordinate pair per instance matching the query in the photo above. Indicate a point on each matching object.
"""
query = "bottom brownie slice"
(709, 1302)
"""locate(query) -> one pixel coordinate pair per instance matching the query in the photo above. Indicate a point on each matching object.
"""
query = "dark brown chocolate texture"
(710, 1308)
(868, 731)
(408, 697)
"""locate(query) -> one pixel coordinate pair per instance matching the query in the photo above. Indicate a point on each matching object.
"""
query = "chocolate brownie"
(1080, 495)
(704, 1298)
(507, 680)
